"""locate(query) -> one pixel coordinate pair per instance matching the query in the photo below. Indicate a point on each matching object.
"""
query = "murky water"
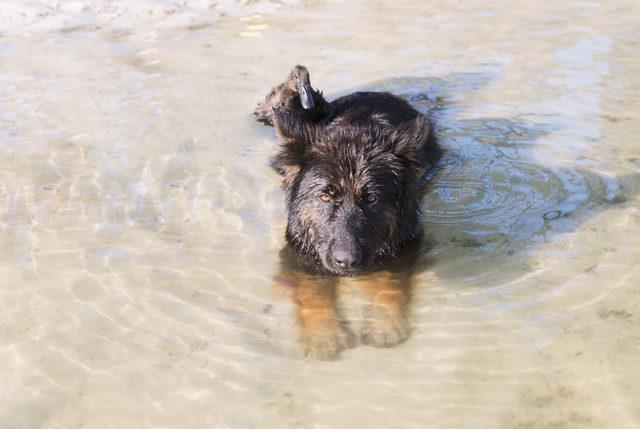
(141, 225)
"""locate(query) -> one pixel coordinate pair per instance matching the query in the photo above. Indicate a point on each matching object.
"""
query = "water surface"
(140, 223)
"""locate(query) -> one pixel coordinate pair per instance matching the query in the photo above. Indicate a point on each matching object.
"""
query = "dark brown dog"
(351, 171)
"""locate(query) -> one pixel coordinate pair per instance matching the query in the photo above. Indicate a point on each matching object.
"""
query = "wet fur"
(363, 146)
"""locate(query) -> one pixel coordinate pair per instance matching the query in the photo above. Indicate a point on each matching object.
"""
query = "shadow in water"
(486, 205)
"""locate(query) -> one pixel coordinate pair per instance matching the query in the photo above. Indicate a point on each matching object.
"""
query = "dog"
(352, 172)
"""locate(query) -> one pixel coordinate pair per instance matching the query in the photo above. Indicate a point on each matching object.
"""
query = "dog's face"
(347, 210)
(351, 194)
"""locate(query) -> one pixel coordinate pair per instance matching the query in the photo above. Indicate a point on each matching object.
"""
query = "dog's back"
(369, 108)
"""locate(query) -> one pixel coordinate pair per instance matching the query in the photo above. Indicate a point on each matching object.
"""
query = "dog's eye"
(328, 194)
(370, 199)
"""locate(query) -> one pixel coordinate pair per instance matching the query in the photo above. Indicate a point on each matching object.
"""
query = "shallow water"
(141, 225)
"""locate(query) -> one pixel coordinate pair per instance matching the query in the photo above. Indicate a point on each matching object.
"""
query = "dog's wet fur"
(351, 170)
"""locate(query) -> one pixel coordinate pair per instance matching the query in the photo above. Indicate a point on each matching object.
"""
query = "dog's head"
(352, 191)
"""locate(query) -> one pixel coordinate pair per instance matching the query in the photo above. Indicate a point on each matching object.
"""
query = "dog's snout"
(347, 257)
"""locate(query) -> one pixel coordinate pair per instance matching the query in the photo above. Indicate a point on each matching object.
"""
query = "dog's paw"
(384, 329)
(326, 344)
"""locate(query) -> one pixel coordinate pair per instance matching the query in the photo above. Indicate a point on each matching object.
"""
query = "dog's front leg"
(323, 336)
(386, 322)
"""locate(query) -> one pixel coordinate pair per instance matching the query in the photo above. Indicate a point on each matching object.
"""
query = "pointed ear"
(414, 142)
(292, 127)
(295, 136)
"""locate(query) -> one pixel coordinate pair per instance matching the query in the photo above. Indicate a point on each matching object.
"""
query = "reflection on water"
(141, 226)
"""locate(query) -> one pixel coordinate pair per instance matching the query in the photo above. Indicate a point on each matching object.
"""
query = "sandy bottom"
(140, 223)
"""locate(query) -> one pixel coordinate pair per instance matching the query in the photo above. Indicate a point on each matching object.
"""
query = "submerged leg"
(386, 322)
(321, 332)
(323, 336)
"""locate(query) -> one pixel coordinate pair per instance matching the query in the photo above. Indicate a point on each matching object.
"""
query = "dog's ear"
(414, 142)
(295, 135)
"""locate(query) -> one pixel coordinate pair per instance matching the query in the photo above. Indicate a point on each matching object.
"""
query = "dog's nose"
(347, 258)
